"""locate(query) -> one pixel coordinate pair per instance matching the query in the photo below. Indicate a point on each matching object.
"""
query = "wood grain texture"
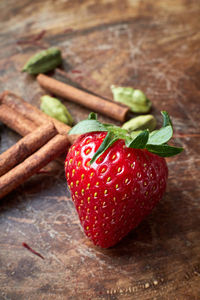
(151, 45)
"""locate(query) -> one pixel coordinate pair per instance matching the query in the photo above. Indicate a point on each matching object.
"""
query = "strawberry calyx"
(155, 141)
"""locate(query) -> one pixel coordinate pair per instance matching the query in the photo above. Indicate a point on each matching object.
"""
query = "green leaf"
(164, 134)
(133, 134)
(108, 125)
(140, 141)
(166, 119)
(160, 136)
(87, 126)
(92, 116)
(121, 133)
(164, 150)
(107, 142)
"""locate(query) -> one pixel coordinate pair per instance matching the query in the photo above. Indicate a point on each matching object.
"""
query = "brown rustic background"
(151, 45)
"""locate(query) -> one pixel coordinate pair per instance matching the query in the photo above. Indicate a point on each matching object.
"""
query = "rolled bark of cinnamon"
(32, 164)
(97, 104)
(16, 121)
(26, 146)
(31, 112)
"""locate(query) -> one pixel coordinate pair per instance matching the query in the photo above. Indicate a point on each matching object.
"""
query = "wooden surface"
(151, 45)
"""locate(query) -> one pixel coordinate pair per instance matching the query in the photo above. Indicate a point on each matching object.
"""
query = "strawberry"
(116, 180)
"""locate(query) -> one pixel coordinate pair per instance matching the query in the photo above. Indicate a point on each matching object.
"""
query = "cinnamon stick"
(25, 118)
(111, 109)
(31, 112)
(16, 121)
(26, 146)
(32, 164)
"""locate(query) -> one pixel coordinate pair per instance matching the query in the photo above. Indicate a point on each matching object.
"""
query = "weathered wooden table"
(151, 45)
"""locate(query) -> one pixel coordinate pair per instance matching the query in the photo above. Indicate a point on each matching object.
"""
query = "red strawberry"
(114, 193)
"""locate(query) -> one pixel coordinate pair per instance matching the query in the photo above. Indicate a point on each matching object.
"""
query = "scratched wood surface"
(151, 45)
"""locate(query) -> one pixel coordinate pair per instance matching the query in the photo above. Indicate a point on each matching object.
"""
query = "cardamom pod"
(43, 61)
(54, 108)
(136, 100)
(140, 123)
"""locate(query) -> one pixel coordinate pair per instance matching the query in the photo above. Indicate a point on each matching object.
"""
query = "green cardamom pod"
(136, 100)
(54, 108)
(43, 61)
(140, 123)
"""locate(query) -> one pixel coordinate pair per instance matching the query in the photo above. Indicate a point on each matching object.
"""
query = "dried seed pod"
(54, 108)
(136, 100)
(43, 61)
(140, 123)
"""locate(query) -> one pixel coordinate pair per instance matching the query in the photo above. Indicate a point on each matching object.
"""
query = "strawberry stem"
(155, 142)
